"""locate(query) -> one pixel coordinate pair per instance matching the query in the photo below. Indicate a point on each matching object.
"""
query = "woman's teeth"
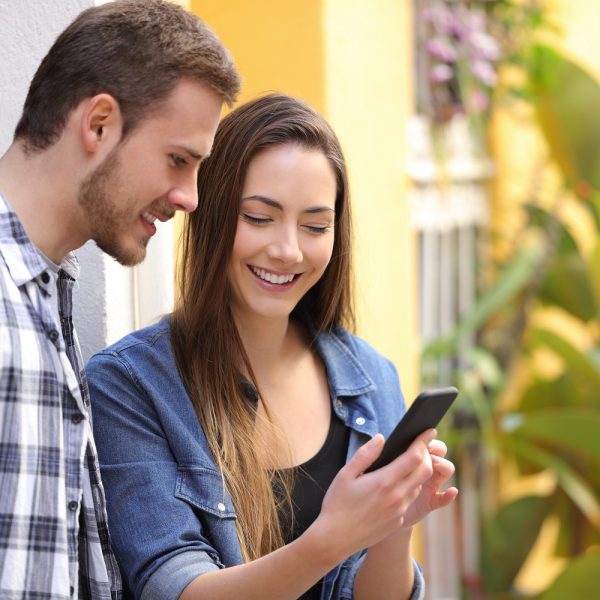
(271, 277)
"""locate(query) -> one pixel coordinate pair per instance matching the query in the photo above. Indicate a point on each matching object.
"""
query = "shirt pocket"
(203, 490)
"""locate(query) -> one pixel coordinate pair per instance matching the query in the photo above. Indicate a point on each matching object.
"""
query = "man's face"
(151, 174)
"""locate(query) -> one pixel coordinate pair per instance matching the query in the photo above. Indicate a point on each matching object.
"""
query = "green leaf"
(593, 267)
(567, 100)
(541, 218)
(580, 365)
(575, 430)
(574, 532)
(578, 580)
(511, 282)
(574, 485)
(561, 391)
(576, 297)
(508, 538)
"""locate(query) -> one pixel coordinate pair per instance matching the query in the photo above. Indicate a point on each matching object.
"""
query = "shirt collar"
(346, 375)
(22, 257)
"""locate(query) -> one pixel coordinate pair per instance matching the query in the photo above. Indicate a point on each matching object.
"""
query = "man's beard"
(108, 222)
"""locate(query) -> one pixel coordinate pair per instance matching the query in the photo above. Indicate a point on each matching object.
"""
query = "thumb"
(366, 455)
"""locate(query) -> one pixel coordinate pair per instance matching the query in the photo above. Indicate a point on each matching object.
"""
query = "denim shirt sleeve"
(156, 533)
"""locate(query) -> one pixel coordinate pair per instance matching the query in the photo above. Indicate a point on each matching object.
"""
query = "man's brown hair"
(134, 50)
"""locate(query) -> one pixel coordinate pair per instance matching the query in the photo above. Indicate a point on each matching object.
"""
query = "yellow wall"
(368, 99)
(277, 46)
(351, 60)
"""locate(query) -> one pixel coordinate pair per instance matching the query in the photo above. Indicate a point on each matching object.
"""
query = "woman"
(233, 435)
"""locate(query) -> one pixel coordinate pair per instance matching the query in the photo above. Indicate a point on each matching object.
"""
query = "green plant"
(553, 422)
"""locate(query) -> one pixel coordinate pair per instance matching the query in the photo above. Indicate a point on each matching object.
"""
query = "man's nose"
(184, 196)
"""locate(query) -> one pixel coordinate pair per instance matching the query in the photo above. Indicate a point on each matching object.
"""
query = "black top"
(312, 479)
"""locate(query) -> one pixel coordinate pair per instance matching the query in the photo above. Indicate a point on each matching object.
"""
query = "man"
(117, 119)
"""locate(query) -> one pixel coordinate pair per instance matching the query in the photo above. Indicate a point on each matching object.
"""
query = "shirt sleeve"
(344, 586)
(157, 534)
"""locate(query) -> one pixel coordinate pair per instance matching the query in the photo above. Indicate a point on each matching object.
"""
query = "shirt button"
(53, 335)
(338, 403)
(360, 421)
(45, 277)
(73, 505)
(77, 418)
(221, 507)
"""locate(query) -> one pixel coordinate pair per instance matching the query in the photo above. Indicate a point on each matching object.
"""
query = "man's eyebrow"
(278, 206)
(193, 153)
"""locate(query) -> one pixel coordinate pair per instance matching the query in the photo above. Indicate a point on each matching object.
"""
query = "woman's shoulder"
(153, 339)
(143, 356)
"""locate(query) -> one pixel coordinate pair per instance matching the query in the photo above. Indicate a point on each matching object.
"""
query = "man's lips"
(151, 216)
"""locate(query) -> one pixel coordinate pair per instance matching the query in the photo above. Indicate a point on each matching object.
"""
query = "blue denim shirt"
(171, 518)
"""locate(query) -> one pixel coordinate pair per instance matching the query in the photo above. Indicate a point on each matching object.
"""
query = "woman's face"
(285, 230)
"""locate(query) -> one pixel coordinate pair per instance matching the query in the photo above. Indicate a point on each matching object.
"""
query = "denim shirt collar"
(346, 375)
(350, 386)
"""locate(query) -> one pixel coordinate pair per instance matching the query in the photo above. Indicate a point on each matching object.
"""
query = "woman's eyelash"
(316, 229)
(256, 220)
(264, 220)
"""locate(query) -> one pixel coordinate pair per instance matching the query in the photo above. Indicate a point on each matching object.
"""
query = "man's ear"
(101, 123)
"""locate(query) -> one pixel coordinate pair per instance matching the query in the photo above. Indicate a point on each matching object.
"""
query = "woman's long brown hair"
(206, 344)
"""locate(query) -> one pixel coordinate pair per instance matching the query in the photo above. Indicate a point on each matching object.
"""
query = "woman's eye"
(255, 220)
(317, 228)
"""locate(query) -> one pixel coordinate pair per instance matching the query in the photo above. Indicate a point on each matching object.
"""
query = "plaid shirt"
(54, 541)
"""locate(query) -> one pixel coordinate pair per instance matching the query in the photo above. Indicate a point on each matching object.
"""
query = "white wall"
(110, 300)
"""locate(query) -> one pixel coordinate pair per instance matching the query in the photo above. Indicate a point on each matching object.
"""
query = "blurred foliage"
(552, 425)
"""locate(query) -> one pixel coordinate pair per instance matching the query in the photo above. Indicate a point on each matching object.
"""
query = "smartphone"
(424, 413)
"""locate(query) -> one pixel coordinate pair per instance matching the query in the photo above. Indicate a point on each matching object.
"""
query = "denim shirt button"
(221, 507)
(338, 403)
(360, 421)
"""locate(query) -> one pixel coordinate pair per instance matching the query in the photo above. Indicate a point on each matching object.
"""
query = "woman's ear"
(101, 123)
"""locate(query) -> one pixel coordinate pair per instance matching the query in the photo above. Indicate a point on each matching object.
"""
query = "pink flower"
(484, 71)
(478, 101)
(442, 49)
(483, 45)
(440, 73)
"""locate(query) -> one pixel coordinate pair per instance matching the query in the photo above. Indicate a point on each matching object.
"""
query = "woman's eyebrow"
(278, 205)
(267, 201)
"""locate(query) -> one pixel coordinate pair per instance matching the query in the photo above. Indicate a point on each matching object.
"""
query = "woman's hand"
(360, 509)
(431, 498)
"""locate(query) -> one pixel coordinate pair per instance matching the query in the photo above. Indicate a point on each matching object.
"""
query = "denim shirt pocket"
(203, 489)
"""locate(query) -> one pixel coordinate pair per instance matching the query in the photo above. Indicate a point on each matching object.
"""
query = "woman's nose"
(286, 248)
